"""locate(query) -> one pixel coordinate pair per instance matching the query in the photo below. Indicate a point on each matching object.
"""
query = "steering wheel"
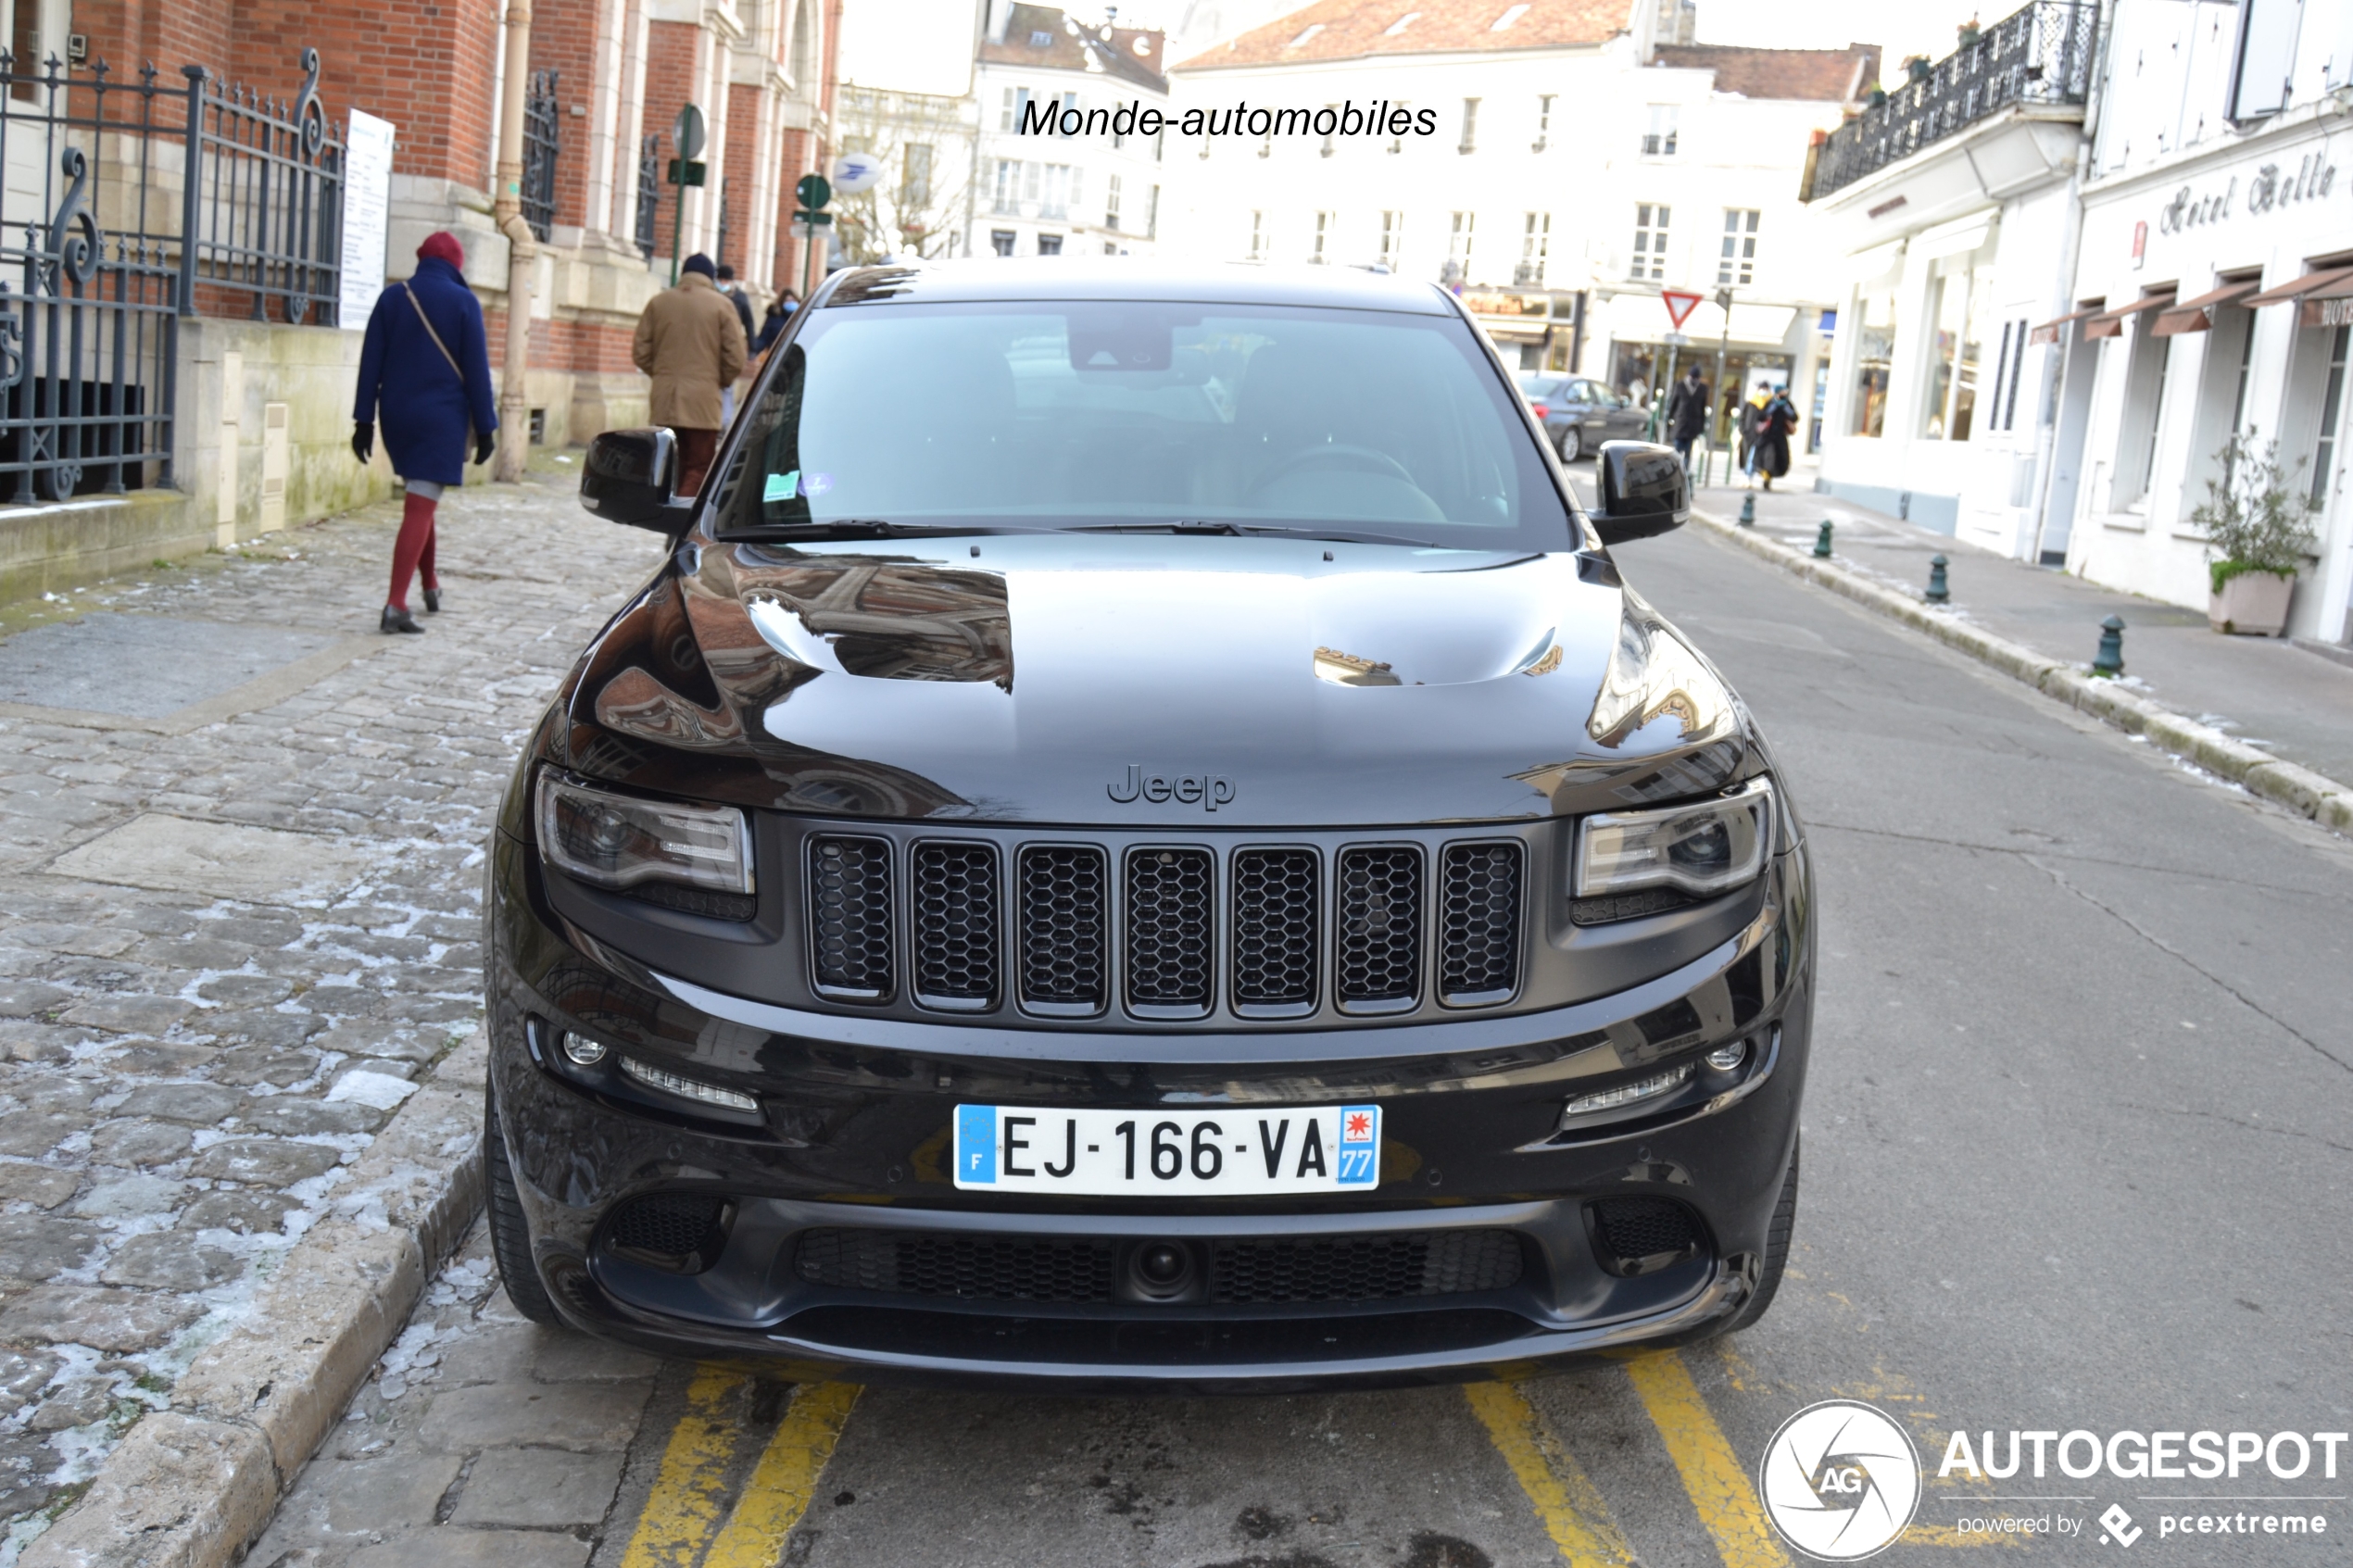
(1362, 459)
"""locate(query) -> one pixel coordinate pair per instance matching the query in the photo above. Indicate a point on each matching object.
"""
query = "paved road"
(2076, 1158)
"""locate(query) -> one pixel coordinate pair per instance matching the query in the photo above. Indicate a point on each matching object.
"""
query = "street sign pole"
(687, 135)
(1680, 305)
(1723, 344)
(813, 191)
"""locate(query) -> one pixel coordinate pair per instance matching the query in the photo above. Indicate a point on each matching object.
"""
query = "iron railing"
(542, 134)
(2041, 54)
(648, 194)
(261, 201)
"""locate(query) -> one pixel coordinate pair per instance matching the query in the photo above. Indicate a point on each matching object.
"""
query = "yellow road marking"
(1573, 1512)
(1719, 1485)
(682, 1508)
(1942, 1535)
(786, 1478)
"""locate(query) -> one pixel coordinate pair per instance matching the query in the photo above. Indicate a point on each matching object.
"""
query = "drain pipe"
(523, 251)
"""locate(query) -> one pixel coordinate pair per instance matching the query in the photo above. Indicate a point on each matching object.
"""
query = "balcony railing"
(2040, 56)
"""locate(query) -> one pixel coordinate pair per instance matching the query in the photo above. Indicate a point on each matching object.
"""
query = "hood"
(1138, 680)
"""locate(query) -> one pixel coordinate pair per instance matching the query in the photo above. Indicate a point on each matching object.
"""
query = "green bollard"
(1822, 541)
(1748, 511)
(2109, 661)
(1938, 593)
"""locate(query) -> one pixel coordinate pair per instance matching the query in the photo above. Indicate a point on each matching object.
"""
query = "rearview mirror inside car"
(1643, 491)
(628, 479)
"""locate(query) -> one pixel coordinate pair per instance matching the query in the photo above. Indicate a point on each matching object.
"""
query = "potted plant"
(2256, 537)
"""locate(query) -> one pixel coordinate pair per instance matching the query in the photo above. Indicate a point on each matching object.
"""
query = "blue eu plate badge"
(975, 1145)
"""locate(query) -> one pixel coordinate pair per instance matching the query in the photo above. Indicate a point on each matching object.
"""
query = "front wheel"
(1572, 445)
(509, 1237)
(1768, 1280)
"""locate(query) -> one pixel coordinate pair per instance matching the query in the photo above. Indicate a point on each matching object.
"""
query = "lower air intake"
(974, 1268)
(681, 1232)
(1641, 1235)
(1365, 1268)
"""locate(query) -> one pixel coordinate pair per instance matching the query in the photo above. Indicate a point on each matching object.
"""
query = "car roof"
(1125, 278)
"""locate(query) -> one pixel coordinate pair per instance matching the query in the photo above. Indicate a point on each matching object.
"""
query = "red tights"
(412, 552)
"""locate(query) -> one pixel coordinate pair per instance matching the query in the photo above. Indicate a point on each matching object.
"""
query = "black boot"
(432, 601)
(398, 619)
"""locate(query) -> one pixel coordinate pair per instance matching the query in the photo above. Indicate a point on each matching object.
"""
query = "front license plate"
(1168, 1153)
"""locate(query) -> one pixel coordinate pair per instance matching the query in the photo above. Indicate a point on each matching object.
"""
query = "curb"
(2301, 790)
(192, 1485)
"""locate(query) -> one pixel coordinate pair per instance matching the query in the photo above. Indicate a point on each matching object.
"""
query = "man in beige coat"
(691, 341)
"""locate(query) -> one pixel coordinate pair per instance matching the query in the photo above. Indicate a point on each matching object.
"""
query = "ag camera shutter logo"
(1841, 1480)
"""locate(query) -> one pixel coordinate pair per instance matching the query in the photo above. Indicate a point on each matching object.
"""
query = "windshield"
(1116, 414)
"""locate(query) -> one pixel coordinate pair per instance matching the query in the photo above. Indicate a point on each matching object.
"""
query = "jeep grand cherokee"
(1137, 839)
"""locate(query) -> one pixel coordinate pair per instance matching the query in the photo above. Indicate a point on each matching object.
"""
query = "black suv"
(1177, 864)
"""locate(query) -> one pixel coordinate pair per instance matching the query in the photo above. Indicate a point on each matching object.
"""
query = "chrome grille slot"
(1170, 918)
(1274, 898)
(1379, 929)
(849, 917)
(955, 900)
(1063, 929)
(1479, 900)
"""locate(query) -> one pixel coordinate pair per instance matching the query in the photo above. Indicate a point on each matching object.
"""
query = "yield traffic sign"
(1680, 305)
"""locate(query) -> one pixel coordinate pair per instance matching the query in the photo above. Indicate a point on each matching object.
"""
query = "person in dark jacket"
(424, 370)
(1774, 427)
(1687, 409)
(772, 326)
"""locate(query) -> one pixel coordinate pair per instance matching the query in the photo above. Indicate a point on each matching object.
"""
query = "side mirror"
(628, 479)
(1644, 491)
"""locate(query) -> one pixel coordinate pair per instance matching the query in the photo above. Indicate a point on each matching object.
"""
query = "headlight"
(1706, 847)
(619, 840)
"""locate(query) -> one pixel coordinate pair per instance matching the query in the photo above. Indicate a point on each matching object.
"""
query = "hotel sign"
(2270, 189)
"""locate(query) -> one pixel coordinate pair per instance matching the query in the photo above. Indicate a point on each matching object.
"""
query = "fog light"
(687, 1088)
(582, 1049)
(1723, 1059)
(1628, 1094)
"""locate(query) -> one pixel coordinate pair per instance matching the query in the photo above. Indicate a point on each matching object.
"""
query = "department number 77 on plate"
(1233, 1151)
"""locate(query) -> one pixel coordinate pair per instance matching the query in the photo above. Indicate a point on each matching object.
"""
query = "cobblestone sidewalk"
(225, 952)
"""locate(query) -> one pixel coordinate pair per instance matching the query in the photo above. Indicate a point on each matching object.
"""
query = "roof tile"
(1350, 29)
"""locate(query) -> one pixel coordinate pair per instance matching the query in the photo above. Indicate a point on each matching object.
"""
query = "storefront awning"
(2197, 315)
(2296, 288)
(2330, 304)
(2049, 330)
(1515, 329)
(2110, 323)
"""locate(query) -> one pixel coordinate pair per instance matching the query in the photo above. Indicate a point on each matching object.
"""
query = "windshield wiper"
(868, 527)
(1179, 525)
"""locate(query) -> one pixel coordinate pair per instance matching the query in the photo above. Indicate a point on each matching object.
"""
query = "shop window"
(1658, 132)
(1650, 244)
(2324, 452)
(1737, 261)
(1874, 362)
(1958, 305)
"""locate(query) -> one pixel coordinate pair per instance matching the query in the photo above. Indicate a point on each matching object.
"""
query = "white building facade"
(1095, 190)
(1951, 205)
(2217, 247)
(1560, 164)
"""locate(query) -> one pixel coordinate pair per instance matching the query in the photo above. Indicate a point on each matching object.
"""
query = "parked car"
(1193, 874)
(1580, 414)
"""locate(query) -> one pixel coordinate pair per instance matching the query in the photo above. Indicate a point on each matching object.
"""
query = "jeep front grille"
(1163, 933)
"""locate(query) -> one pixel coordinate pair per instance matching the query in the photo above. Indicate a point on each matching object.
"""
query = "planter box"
(2252, 604)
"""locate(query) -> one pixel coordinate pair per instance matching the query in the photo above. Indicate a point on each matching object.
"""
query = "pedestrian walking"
(742, 302)
(690, 342)
(424, 371)
(1774, 428)
(1687, 413)
(1752, 422)
(772, 326)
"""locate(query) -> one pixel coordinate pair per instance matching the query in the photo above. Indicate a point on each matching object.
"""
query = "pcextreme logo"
(1841, 1480)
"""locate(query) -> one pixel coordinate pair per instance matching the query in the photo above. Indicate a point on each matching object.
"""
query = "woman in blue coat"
(424, 370)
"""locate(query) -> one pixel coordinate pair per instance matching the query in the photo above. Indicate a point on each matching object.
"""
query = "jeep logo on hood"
(1209, 791)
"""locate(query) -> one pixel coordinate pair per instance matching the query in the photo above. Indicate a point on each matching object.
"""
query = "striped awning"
(2197, 315)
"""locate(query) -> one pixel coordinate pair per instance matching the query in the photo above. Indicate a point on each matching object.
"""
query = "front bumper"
(854, 1129)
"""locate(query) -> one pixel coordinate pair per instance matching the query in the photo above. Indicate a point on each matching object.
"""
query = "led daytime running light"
(1628, 1094)
(687, 1088)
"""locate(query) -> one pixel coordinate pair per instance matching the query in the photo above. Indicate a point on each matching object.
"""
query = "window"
(915, 177)
(2246, 363)
(1257, 236)
(1331, 142)
(1737, 264)
(1650, 244)
(1056, 198)
(1459, 234)
(1040, 38)
(1958, 308)
(2266, 56)
(1152, 215)
(1470, 126)
(1874, 317)
(1392, 238)
(1049, 245)
(1544, 122)
(1032, 175)
(1111, 204)
(2144, 410)
(1397, 144)
(1659, 138)
(1017, 106)
(1069, 106)
(1111, 247)
(1002, 241)
(1007, 196)
(1535, 245)
(2332, 410)
(1324, 226)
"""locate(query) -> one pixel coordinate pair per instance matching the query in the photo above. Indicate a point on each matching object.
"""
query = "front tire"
(1572, 445)
(1768, 1283)
(510, 1235)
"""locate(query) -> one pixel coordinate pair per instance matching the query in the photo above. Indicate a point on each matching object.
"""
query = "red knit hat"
(442, 245)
